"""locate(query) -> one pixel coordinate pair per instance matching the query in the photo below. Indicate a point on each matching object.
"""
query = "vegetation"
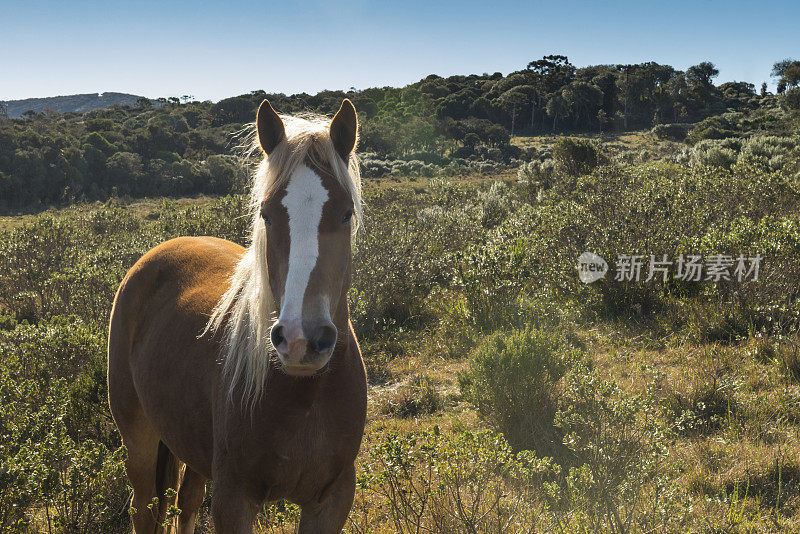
(453, 126)
(513, 380)
(505, 395)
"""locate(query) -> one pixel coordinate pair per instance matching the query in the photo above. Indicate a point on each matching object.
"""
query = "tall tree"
(699, 77)
(555, 71)
(702, 73)
(789, 72)
(557, 107)
(548, 76)
(624, 83)
(779, 67)
(515, 99)
(583, 99)
(143, 103)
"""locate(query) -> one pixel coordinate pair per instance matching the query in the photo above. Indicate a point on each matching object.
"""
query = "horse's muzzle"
(303, 354)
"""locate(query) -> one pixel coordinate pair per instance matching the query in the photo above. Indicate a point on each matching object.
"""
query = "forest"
(461, 124)
(505, 394)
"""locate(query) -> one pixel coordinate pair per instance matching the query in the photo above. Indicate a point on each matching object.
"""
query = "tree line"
(179, 146)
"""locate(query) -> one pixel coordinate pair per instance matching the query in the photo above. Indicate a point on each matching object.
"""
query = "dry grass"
(146, 208)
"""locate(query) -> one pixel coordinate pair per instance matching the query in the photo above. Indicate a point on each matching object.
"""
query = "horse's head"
(307, 220)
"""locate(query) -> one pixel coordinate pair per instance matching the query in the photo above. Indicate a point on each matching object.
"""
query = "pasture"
(504, 394)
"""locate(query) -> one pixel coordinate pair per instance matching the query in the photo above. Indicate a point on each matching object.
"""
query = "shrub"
(716, 157)
(491, 277)
(468, 482)
(62, 466)
(537, 174)
(575, 157)
(419, 397)
(707, 402)
(716, 153)
(514, 382)
(405, 250)
(710, 132)
(770, 304)
(618, 449)
(673, 132)
(378, 300)
(791, 99)
(374, 166)
(495, 204)
(770, 152)
(716, 127)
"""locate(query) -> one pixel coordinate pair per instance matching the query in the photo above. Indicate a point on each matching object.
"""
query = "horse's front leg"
(233, 512)
(330, 514)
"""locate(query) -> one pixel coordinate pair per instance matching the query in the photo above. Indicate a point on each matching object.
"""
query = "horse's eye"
(347, 216)
(266, 219)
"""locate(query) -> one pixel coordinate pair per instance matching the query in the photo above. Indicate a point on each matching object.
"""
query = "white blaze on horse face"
(304, 200)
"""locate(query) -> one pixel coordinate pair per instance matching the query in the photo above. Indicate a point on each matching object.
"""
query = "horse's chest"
(298, 459)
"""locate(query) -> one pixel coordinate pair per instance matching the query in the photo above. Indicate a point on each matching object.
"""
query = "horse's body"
(177, 401)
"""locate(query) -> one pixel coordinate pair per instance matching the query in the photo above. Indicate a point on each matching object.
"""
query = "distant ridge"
(64, 104)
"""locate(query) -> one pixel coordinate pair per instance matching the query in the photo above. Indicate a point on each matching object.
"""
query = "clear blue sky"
(213, 50)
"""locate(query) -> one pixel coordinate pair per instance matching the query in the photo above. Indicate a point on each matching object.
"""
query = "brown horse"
(202, 375)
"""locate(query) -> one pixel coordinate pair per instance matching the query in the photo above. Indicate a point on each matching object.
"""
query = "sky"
(214, 50)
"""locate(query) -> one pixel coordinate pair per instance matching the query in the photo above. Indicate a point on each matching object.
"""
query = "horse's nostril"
(276, 335)
(325, 338)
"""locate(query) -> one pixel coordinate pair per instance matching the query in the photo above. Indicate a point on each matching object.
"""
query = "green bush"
(395, 265)
(770, 152)
(514, 381)
(618, 448)
(496, 203)
(406, 250)
(673, 132)
(62, 465)
(716, 153)
(574, 157)
(537, 174)
(790, 100)
(469, 482)
(772, 303)
(491, 278)
(715, 127)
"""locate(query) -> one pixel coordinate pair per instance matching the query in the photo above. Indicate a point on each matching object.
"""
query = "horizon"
(204, 49)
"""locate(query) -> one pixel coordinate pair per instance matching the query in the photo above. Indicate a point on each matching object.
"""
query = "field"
(505, 395)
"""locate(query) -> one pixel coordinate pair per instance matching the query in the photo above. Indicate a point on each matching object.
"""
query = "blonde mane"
(246, 311)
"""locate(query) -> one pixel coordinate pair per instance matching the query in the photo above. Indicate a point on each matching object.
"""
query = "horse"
(239, 365)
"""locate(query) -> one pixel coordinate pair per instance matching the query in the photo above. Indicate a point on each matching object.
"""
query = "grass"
(145, 208)
(739, 473)
(727, 411)
(736, 469)
(634, 139)
(612, 143)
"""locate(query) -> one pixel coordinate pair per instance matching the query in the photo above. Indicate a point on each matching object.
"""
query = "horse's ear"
(344, 130)
(270, 127)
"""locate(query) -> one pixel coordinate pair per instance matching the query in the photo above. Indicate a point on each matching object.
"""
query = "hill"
(69, 103)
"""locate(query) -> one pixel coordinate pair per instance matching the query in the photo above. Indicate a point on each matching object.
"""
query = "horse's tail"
(168, 469)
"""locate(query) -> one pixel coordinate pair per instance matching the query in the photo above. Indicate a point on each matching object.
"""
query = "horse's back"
(181, 279)
(160, 368)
